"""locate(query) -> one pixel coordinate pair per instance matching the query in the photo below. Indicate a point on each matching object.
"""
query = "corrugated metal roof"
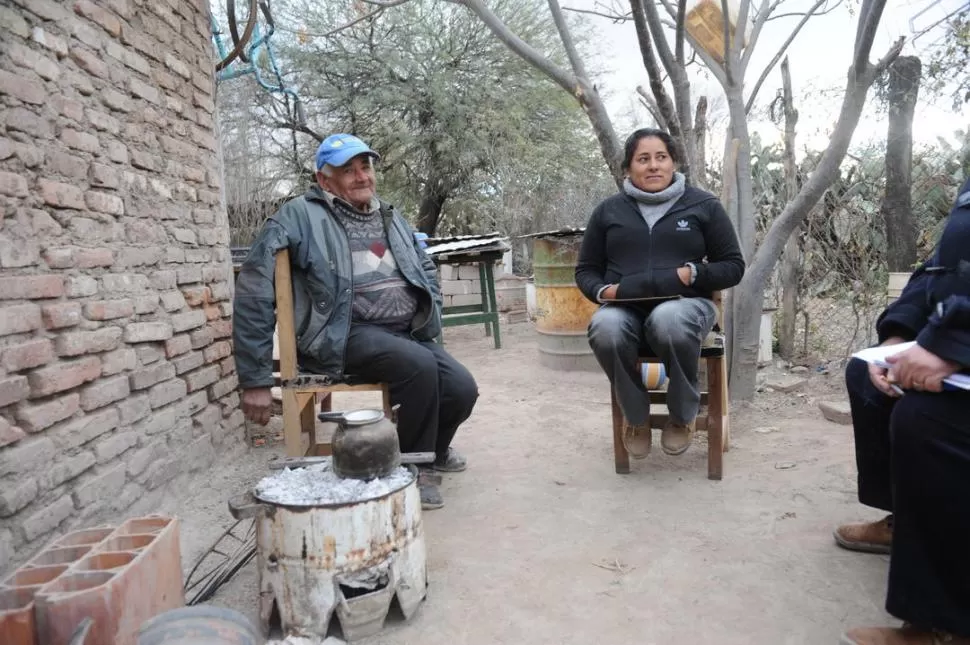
(566, 231)
(479, 245)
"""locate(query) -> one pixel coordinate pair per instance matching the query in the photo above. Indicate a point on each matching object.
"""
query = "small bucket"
(654, 375)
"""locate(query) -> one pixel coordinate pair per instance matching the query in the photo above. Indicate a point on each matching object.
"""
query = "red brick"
(188, 362)
(61, 195)
(23, 88)
(89, 62)
(13, 389)
(223, 387)
(9, 434)
(147, 332)
(104, 176)
(19, 319)
(32, 353)
(63, 376)
(109, 309)
(212, 313)
(61, 257)
(188, 320)
(62, 314)
(98, 15)
(196, 296)
(34, 418)
(88, 342)
(228, 366)
(104, 203)
(13, 184)
(221, 328)
(217, 351)
(91, 258)
(177, 345)
(30, 287)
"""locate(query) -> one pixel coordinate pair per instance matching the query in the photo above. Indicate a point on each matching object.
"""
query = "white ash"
(318, 484)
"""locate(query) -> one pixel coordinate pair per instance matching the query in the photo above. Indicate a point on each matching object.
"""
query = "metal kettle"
(365, 444)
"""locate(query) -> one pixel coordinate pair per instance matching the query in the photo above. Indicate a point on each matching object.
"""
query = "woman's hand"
(919, 369)
(609, 293)
(879, 376)
(684, 274)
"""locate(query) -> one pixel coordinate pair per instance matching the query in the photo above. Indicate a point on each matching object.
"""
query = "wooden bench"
(300, 392)
(715, 422)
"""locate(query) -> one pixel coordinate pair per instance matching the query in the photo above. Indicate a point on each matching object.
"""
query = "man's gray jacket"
(323, 288)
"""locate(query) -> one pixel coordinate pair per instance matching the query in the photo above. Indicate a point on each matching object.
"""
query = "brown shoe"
(871, 537)
(637, 439)
(905, 635)
(676, 437)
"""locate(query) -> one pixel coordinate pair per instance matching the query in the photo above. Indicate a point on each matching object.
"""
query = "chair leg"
(308, 418)
(386, 402)
(620, 455)
(292, 426)
(326, 401)
(715, 420)
(725, 406)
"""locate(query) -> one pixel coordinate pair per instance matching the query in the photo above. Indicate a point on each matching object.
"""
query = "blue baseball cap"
(338, 149)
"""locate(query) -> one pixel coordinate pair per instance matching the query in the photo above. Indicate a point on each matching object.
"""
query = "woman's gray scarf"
(653, 206)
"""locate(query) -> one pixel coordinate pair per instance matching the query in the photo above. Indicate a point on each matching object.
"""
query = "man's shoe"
(637, 439)
(905, 635)
(430, 493)
(676, 437)
(871, 537)
(451, 462)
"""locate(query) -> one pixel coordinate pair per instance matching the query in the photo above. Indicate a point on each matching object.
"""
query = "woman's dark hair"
(630, 147)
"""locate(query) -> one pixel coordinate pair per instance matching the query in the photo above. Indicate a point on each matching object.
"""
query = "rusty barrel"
(562, 311)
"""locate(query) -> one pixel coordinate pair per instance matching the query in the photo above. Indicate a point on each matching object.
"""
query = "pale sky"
(819, 60)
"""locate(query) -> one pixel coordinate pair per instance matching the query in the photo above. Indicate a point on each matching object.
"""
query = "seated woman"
(653, 255)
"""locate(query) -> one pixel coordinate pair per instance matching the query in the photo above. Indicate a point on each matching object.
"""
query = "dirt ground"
(541, 542)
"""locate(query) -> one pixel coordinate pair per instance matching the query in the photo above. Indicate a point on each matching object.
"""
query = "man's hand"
(609, 293)
(684, 274)
(880, 375)
(920, 369)
(256, 404)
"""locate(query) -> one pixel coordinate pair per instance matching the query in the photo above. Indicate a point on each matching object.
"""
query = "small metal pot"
(365, 444)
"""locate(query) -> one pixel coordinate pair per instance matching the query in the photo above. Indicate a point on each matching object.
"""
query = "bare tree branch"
(296, 127)
(567, 40)
(780, 54)
(823, 12)
(868, 34)
(651, 104)
(679, 32)
(764, 13)
(726, 34)
(615, 17)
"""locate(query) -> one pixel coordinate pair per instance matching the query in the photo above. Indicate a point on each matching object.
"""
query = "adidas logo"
(683, 225)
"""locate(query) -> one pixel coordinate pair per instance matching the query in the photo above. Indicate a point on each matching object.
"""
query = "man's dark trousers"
(436, 392)
(913, 455)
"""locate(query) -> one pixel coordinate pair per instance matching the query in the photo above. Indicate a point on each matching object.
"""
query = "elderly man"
(912, 441)
(367, 306)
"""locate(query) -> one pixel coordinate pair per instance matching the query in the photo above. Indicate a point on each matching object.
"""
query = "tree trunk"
(749, 295)
(700, 144)
(433, 198)
(745, 187)
(897, 206)
(792, 257)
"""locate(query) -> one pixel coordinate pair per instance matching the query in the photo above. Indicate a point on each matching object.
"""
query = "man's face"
(353, 182)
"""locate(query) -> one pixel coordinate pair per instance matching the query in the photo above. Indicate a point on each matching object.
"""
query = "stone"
(23, 88)
(88, 342)
(9, 434)
(166, 392)
(134, 408)
(836, 412)
(147, 332)
(16, 496)
(80, 286)
(118, 361)
(75, 433)
(110, 447)
(178, 345)
(48, 518)
(28, 456)
(145, 378)
(13, 184)
(104, 392)
(188, 362)
(37, 417)
(799, 369)
(13, 389)
(20, 318)
(188, 320)
(68, 468)
(149, 353)
(785, 383)
(31, 287)
(93, 258)
(103, 486)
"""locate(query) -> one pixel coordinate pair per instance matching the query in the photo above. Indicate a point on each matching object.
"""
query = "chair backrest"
(285, 323)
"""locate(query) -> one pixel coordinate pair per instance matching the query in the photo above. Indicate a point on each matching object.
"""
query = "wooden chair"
(715, 422)
(300, 392)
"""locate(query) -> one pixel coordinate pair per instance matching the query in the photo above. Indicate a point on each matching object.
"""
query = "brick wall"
(116, 377)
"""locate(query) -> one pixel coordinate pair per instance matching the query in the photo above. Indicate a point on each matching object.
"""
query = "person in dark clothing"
(367, 307)
(912, 443)
(667, 246)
